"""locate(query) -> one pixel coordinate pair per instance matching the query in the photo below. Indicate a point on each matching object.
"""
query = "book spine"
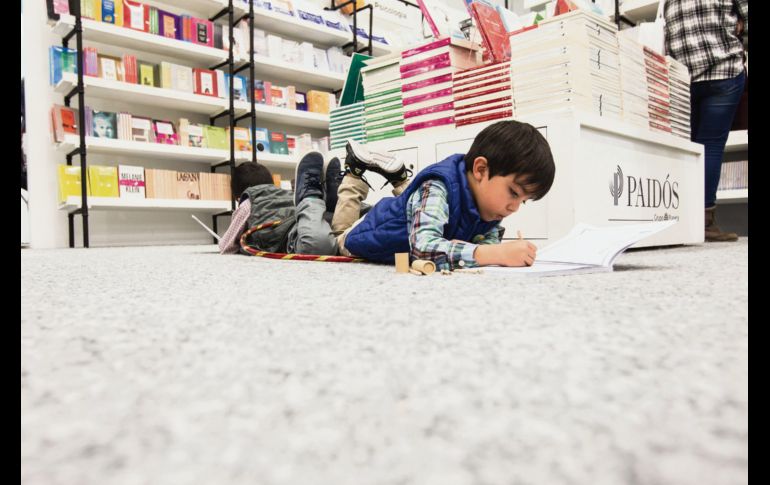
(446, 78)
(425, 97)
(423, 48)
(429, 124)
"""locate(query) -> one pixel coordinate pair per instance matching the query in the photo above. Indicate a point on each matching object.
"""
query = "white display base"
(24, 218)
(588, 151)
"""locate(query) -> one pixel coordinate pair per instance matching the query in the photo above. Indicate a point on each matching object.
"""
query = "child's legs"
(311, 234)
(351, 193)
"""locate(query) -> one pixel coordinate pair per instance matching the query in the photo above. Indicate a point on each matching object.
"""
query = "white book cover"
(181, 78)
(131, 182)
(586, 249)
(478, 100)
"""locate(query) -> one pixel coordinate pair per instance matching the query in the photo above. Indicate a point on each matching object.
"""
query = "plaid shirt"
(427, 212)
(701, 34)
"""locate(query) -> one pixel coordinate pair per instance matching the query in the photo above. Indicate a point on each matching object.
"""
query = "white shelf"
(108, 146)
(639, 10)
(737, 141)
(291, 117)
(733, 196)
(281, 24)
(207, 7)
(280, 68)
(145, 95)
(144, 41)
(116, 203)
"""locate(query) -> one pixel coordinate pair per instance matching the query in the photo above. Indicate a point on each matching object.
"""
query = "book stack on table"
(679, 90)
(633, 82)
(383, 108)
(658, 90)
(569, 61)
(347, 122)
(483, 94)
(426, 82)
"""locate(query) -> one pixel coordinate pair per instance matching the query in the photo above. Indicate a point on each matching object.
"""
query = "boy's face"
(496, 197)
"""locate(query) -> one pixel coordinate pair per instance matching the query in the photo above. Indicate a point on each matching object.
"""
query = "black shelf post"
(77, 32)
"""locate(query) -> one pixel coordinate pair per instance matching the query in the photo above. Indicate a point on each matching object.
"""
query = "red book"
(133, 15)
(205, 82)
(493, 32)
(480, 119)
(129, 69)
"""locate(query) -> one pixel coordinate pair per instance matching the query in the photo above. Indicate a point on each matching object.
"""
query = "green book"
(216, 137)
(353, 90)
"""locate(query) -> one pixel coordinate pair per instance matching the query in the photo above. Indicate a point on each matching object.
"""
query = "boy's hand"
(511, 253)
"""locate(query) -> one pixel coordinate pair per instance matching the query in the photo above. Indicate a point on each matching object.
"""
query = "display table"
(607, 172)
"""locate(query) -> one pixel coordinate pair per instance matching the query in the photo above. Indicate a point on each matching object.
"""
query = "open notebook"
(586, 249)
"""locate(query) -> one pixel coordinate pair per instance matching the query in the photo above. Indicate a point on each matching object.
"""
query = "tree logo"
(616, 185)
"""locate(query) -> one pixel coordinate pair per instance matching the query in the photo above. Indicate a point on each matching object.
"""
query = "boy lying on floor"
(449, 213)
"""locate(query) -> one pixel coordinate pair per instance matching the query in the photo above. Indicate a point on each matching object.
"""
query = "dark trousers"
(713, 108)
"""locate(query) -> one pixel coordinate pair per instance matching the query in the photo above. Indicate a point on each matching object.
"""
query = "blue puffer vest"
(384, 231)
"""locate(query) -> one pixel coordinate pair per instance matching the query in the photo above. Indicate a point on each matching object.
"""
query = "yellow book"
(103, 181)
(119, 13)
(69, 182)
(165, 75)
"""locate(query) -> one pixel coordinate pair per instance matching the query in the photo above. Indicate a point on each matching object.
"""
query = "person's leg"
(312, 234)
(713, 110)
(352, 191)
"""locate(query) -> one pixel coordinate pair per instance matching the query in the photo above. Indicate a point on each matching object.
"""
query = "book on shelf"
(203, 32)
(61, 60)
(104, 124)
(181, 78)
(142, 130)
(124, 126)
(240, 138)
(239, 87)
(278, 143)
(493, 33)
(191, 135)
(320, 101)
(131, 182)
(149, 73)
(261, 88)
(63, 122)
(70, 182)
(300, 101)
(57, 7)
(170, 25)
(151, 24)
(160, 184)
(279, 96)
(103, 181)
(187, 186)
(262, 139)
(165, 132)
(112, 12)
(585, 249)
(291, 143)
(277, 179)
(110, 68)
(205, 82)
(130, 73)
(216, 137)
(133, 15)
(352, 90)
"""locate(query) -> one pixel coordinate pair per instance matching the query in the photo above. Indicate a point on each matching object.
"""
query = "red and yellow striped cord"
(299, 257)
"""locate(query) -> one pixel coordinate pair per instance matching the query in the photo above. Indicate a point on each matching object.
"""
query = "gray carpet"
(174, 365)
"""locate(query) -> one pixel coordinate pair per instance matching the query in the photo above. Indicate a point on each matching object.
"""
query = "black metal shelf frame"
(79, 91)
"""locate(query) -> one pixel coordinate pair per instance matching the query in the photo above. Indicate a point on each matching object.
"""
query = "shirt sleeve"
(427, 215)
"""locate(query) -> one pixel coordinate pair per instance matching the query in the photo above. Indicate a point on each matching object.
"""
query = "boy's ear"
(480, 168)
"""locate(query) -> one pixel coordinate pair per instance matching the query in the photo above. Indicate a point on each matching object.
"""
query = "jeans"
(312, 233)
(713, 108)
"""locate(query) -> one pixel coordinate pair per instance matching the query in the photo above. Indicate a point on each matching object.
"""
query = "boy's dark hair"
(514, 147)
(249, 174)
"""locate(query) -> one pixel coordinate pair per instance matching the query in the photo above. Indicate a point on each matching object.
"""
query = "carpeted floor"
(174, 365)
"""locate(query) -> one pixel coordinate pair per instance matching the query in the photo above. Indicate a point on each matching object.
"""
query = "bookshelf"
(116, 203)
(159, 151)
(733, 196)
(304, 119)
(277, 67)
(737, 141)
(133, 39)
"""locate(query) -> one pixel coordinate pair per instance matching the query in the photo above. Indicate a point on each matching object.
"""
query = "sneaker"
(359, 160)
(307, 178)
(333, 179)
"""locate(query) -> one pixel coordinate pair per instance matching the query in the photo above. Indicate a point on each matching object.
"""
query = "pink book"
(427, 82)
(429, 110)
(425, 97)
(425, 47)
(202, 32)
(430, 124)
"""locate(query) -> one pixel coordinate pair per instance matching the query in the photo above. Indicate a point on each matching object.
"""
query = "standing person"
(705, 35)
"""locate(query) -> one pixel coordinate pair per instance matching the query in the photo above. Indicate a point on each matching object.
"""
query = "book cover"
(149, 73)
(131, 182)
(493, 32)
(279, 96)
(203, 32)
(187, 185)
(300, 101)
(105, 124)
(69, 182)
(133, 15)
(141, 129)
(103, 181)
(110, 68)
(195, 136)
(205, 82)
(64, 121)
(318, 101)
(61, 59)
(216, 137)
(170, 25)
(165, 132)
(262, 139)
(130, 74)
(278, 143)
(241, 139)
(352, 90)
(181, 78)
(107, 14)
(259, 92)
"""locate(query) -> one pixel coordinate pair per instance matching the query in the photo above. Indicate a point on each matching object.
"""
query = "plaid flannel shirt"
(701, 34)
(427, 213)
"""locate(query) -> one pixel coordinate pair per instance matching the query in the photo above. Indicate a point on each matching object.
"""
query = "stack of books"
(570, 61)
(633, 82)
(483, 94)
(658, 90)
(426, 82)
(679, 90)
(347, 122)
(383, 108)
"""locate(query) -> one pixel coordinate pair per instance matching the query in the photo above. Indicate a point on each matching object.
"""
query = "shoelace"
(313, 179)
(408, 176)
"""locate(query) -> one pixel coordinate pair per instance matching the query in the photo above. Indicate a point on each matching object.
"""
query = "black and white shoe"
(359, 160)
